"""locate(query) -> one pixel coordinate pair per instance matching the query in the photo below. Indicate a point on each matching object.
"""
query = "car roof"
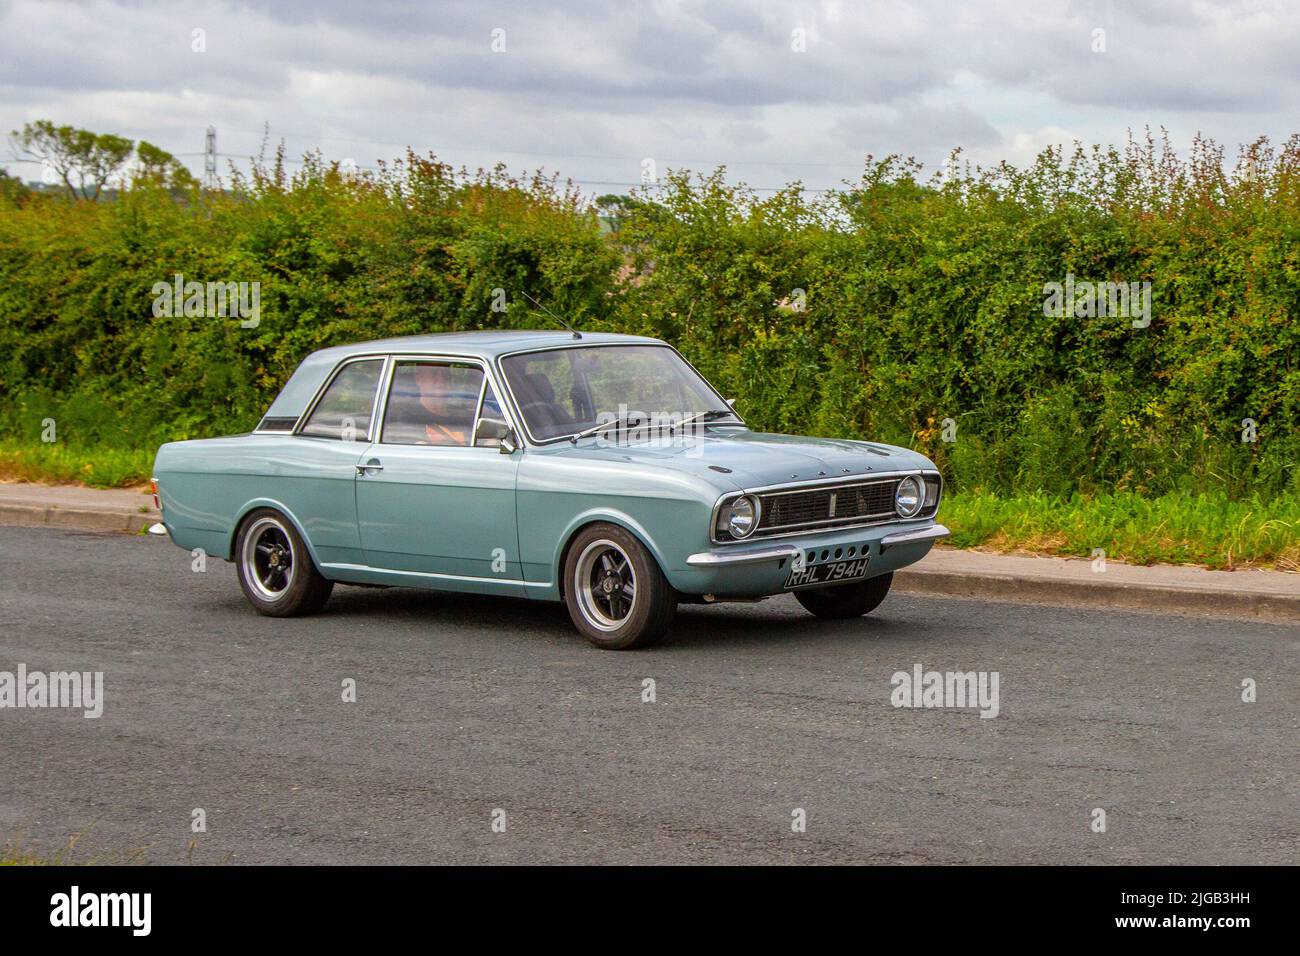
(483, 344)
(316, 367)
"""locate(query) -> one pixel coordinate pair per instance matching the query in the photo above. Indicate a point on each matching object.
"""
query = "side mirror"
(493, 429)
(731, 402)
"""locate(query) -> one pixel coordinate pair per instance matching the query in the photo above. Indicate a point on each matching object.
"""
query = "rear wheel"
(846, 600)
(615, 592)
(276, 571)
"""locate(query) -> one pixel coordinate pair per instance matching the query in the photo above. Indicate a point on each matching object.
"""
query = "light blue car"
(598, 470)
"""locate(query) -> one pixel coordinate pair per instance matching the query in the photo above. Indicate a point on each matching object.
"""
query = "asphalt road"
(465, 706)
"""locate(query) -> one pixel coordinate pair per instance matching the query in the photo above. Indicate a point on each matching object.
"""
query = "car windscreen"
(561, 392)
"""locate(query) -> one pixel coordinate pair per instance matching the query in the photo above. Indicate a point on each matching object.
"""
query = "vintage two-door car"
(602, 471)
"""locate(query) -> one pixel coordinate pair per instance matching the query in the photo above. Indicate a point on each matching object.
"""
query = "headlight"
(908, 497)
(738, 517)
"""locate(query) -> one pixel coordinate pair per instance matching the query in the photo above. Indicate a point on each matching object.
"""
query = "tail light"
(156, 503)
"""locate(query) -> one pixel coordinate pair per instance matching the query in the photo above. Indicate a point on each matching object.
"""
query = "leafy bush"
(901, 309)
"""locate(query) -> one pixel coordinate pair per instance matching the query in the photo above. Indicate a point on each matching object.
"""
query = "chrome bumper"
(932, 533)
(715, 559)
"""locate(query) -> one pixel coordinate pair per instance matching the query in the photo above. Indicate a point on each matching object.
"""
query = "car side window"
(547, 390)
(344, 411)
(432, 403)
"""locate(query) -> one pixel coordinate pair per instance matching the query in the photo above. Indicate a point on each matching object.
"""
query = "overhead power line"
(210, 156)
(578, 182)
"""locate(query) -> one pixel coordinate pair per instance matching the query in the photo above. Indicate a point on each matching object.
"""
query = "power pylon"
(210, 159)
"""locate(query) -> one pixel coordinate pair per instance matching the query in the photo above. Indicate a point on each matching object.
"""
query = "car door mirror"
(493, 429)
(731, 402)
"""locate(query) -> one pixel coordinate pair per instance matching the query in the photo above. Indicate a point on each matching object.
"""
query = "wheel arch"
(279, 506)
(586, 520)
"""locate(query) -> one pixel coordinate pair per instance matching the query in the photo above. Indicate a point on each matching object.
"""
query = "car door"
(431, 500)
(316, 467)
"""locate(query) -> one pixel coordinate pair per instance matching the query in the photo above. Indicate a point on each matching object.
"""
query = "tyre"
(276, 571)
(614, 590)
(846, 600)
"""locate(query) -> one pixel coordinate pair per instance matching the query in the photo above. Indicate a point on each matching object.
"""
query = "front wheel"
(846, 600)
(276, 572)
(615, 592)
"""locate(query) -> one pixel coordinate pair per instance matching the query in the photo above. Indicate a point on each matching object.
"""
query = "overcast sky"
(777, 91)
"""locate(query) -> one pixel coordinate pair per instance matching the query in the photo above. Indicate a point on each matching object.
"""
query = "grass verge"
(1209, 529)
(59, 463)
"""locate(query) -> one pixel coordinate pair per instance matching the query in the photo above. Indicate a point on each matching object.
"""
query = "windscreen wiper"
(708, 416)
(629, 421)
(626, 422)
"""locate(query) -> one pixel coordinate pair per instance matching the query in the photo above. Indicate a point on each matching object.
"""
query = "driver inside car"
(443, 428)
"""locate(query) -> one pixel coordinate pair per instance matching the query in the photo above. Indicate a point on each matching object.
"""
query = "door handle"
(373, 465)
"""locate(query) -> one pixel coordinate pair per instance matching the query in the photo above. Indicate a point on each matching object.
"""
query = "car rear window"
(344, 411)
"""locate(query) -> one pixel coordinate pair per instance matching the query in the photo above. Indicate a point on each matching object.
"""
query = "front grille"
(826, 507)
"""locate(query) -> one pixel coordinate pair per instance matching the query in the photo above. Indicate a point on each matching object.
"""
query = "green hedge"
(923, 301)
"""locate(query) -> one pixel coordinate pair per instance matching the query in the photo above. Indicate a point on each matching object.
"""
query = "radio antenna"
(576, 333)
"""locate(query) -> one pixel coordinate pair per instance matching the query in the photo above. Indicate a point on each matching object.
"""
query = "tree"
(12, 188)
(160, 168)
(83, 161)
(616, 209)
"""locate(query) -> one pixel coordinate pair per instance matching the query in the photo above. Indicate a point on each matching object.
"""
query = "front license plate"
(837, 572)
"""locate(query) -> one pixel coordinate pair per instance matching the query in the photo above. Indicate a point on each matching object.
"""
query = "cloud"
(775, 90)
(925, 126)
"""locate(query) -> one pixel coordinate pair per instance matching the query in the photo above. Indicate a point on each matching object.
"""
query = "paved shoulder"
(71, 506)
(1248, 593)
